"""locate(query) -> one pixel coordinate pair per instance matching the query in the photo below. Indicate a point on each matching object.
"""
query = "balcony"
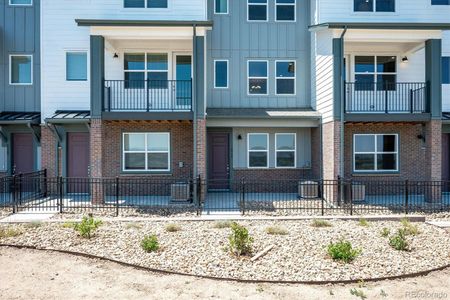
(148, 96)
(386, 101)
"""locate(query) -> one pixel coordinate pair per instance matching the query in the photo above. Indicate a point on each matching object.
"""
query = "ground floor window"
(285, 149)
(375, 152)
(258, 150)
(146, 151)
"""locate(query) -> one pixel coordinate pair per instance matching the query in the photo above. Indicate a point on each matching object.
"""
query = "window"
(140, 67)
(375, 152)
(258, 150)
(76, 66)
(146, 151)
(145, 3)
(21, 69)
(440, 2)
(446, 69)
(374, 5)
(221, 6)
(20, 2)
(285, 10)
(375, 72)
(221, 73)
(257, 10)
(285, 77)
(285, 145)
(257, 77)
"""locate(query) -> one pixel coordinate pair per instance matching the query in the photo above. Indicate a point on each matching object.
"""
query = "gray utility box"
(308, 189)
(180, 192)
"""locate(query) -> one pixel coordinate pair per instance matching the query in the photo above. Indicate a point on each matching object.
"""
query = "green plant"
(87, 226)
(275, 230)
(150, 243)
(173, 228)
(343, 251)
(321, 223)
(9, 232)
(240, 240)
(358, 293)
(68, 225)
(222, 224)
(398, 241)
(385, 232)
(363, 222)
(409, 228)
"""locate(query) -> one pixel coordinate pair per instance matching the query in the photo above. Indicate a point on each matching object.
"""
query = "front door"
(183, 83)
(78, 162)
(218, 160)
(23, 154)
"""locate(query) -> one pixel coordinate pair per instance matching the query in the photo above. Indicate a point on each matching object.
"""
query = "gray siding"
(237, 40)
(19, 34)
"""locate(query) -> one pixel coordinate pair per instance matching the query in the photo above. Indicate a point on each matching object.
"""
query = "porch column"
(96, 160)
(97, 60)
(49, 153)
(434, 158)
(433, 77)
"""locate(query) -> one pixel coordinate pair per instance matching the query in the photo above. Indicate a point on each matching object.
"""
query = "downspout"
(194, 105)
(342, 148)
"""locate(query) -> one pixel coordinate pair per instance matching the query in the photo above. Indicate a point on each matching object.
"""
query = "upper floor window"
(374, 5)
(221, 74)
(21, 69)
(258, 75)
(257, 10)
(285, 77)
(375, 152)
(440, 2)
(76, 66)
(446, 70)
(375, 72)
(145, 3)
(285, 10)
(20, 2)
(221, 6)
(140, 67)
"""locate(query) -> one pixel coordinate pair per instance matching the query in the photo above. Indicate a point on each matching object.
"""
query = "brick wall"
(201, 148)
(316, 159)
(272, 174)
(48, 150)
(331, 149)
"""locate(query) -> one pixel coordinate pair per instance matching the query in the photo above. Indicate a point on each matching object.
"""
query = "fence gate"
(28, 192)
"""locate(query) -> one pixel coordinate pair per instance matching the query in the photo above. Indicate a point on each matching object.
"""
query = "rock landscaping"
(301, 253)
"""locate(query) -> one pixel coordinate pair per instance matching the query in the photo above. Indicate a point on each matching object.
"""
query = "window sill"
(146, 173)
(363, 174)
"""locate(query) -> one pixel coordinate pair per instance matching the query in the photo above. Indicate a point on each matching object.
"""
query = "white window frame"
(248, 77)
(374, 11)
(295, 150)
(146, 152)
(285, 4)
(145, 6)
(295, 77)
(146, 70)
(222, 13)
(260, 4)
(375, 72)
(228, 73)
(376, 152)
(87, 64)
(265, 151)
(10, 69)
(12, 4)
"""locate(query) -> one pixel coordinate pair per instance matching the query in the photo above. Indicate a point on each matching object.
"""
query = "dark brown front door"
(218, 160)
(23, 154)
(78, 162)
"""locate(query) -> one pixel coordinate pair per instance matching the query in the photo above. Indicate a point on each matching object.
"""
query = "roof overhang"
(142, 23)
(379, 25)
(69, 117)
(20, 118)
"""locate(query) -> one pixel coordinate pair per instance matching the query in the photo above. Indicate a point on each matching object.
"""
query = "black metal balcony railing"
(148, 95)
(385, 97)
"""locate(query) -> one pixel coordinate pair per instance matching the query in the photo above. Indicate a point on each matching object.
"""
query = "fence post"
(44, 185)
(411, 103)
(14, 193)
(243, 196)
(60, 194)
(406, 197)
(198, 184)
(20, 188)
(351, 197)
(339, 191)
(117, 196)
(323, 197)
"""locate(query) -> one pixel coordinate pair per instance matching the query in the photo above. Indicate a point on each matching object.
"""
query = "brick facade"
(201, 148)
(48, 150)
(331, 140)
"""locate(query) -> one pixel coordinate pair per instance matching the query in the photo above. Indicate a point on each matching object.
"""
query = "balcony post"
(97, 60)
(433, 76)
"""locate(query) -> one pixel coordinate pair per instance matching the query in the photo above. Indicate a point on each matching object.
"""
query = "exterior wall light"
(405, 59)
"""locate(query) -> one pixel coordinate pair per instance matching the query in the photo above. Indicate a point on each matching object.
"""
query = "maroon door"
(78, 162)
(218, 160)
(23, 154)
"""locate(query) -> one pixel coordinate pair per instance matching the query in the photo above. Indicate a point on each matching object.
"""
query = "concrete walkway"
(29, 217)
(440, 224)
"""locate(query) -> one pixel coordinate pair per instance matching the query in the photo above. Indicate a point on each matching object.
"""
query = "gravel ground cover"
(200, 249)
(4, 212)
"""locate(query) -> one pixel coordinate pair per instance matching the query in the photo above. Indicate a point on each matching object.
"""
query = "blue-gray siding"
(19, 34)
(237, 40)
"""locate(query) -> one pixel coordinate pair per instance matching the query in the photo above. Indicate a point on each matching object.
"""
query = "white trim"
(221, 13)
(265, 151)
(87, 65)
(375, 72)
(146, 152)
(375, 152)
(228, 74)
(248, 77)
(145, 70)
(285, 4)
(295, 150)
(10, 69)
(295, 77)
(11, 4)
(256, 4)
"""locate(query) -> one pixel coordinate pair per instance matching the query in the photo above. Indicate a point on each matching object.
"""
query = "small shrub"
(87, 226)
(358, 293)
(321, 223)
(173, 228)
(363, 222)
(385, 232)
(409, 228)
(150, 243)
(275, 230)
(222, 224)
(68, 225)
(240, 241)
(398, 241)
(9, 232)
(343, 251)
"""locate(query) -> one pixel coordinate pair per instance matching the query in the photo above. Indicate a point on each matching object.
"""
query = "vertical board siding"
(19, 34)
(237, 40)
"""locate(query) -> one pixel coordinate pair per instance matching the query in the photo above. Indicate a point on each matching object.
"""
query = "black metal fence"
(164, 196)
